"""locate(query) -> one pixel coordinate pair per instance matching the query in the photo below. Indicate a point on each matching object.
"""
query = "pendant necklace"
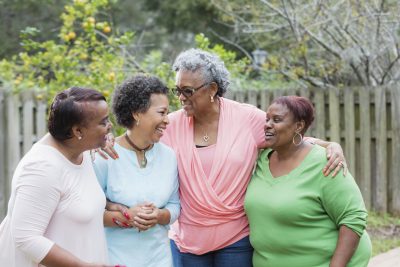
(205, 136)
(143, 162)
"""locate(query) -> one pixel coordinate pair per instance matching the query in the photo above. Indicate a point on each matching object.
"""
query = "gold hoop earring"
(294, 137)
(212, 99)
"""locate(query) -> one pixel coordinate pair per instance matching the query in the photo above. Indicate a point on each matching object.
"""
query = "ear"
(300, 126)
(77, 132)
(136, 116)
(213, 88)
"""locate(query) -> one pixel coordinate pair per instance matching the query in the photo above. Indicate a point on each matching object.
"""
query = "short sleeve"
(257, 122)
(100, 167)
(38, 193)
(343, 202)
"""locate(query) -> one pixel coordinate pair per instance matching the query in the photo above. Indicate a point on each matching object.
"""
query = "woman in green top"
(298, 217)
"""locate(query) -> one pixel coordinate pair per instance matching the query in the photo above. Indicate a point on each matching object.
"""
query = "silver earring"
(79, 137)
(212, 99)
(137, 122)
(294, 137)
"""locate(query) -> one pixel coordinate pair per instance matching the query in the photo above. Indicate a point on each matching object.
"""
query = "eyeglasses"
(188, 91)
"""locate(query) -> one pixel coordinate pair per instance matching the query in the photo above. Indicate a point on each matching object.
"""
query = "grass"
(384, 230)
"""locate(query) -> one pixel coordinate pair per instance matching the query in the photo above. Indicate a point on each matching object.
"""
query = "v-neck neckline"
(293, 172)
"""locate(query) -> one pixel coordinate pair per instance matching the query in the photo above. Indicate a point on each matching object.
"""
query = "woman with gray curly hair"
(216, 141)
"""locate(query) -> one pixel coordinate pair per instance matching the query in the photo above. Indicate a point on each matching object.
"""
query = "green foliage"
(87, 53)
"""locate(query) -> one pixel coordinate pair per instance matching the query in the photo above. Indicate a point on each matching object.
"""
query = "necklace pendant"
(143, 162)
(206, 138)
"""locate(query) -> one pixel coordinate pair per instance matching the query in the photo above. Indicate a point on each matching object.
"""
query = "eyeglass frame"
(190, 90)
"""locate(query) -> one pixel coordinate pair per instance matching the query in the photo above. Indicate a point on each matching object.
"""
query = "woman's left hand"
(146, 218)
(336, 160)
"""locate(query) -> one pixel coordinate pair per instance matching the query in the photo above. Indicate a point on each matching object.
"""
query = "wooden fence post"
(381, 149)
(334, 115)
(41, 122)
(265, 99)
(27, 121)
(350, 130)
(395, 177)
(365, 146)
(3, 177)
(13, 148)
(319, 102)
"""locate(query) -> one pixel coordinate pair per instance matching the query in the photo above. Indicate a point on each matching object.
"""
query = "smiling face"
(97, 125)
(200, 100)
(153, 122)
(280, 126)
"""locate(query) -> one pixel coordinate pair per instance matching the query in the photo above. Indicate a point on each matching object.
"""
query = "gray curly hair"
(210, 65)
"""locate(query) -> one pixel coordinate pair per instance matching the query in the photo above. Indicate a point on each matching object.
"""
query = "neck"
(210, 115)
(288, 152)
(136, 141)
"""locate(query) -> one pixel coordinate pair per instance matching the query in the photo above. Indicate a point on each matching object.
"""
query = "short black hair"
(133, 95)
(66, 111)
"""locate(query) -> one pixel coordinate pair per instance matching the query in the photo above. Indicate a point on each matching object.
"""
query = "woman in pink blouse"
(216, 141)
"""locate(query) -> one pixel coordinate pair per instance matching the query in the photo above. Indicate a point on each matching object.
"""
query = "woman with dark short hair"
(298, 217)
(144, 178)
(55, 212)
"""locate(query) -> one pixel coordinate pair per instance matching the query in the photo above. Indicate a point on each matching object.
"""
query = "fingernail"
(127, 215)
(115, 221)
(125, 224)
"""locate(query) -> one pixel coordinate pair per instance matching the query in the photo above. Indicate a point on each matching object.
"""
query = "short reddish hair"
(300, 107)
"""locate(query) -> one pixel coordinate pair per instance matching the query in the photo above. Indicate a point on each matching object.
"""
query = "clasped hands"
(142, 216)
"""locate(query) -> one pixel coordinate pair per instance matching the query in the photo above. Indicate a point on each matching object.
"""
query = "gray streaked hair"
(210, 65)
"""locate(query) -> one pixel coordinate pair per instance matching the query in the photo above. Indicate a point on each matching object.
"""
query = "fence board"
(3, 180)
(350, 131)
(365, 147)
(239, 96)
(41, 114)
(381, 148)
(319, 103)
(395, 177)
(27, 121)
(13, 150)
(334, 115)
(252, 97)
(265, 96)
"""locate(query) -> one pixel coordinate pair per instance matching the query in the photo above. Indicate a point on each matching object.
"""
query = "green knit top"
(295, 218)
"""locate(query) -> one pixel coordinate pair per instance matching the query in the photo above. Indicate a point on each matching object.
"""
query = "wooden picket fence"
(366, 122)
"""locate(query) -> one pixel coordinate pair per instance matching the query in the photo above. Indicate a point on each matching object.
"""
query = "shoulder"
(41, 166)
(176, 115)
(243, 109)
(318, 154)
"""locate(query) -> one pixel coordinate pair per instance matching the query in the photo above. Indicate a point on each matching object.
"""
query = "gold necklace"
(143, 162)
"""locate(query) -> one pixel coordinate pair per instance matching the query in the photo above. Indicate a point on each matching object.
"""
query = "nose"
(182, 97)
(267, 125)
(166, 119)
